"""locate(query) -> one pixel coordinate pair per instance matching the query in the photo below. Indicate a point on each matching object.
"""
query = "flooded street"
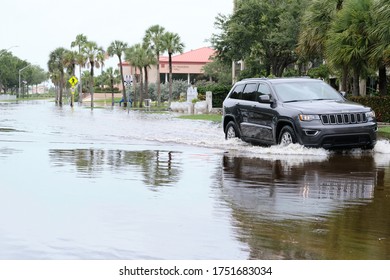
(112, 184)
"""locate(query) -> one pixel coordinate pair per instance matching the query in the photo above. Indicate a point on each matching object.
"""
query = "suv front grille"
(350, 118)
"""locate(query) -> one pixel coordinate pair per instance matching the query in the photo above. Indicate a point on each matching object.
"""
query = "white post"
(209, 101)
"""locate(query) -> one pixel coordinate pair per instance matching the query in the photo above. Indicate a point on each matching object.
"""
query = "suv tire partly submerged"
(287, 136)
(231, 131)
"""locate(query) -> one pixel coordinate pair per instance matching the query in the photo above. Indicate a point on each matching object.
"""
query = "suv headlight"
(308, 118)
(370, 115)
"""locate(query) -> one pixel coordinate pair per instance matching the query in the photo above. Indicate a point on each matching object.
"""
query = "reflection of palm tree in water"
(159, 168)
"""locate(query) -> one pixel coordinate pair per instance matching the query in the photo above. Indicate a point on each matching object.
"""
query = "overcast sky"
(37, 27)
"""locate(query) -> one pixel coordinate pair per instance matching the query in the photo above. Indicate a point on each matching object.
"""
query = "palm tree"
(56, 64)
(141, 57)
(134, 55)
(149, 60)
(172, 43)
(95, 57)
(55, 78)
(70, 61)
(80, 41)
(110, 78)
(86, 78)
(117, 48)
(348, 40)
(379, 53)
(153, 39)
(314, 28)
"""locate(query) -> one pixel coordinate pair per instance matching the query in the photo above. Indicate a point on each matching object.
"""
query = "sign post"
(72, 81)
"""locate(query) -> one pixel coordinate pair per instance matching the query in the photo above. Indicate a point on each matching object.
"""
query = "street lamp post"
(4, 51)
(20, 71)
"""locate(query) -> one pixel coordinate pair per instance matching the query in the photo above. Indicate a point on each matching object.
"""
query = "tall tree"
(265, 31)
(315, 24)
(55, 78)
(110, 78)
(9, 67)
(136, 55)
(117, 48)
(153, 39)
(149, 60)
(80, 41)
(70, 61)
(172, 44)
(56, 64)
(140, 56)
(94, 55)
(348, 40)
(379, 53)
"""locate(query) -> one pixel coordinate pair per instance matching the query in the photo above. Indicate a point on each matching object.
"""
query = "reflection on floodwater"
(158, 168)
(112, 184)
(326, 209)
(286, 189)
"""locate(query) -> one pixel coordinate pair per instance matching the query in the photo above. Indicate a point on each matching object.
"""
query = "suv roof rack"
(249, 79)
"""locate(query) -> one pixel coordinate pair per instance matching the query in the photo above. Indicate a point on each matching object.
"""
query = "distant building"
(186, 66)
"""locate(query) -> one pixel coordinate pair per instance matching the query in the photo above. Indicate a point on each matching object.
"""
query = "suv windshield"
(306, 91)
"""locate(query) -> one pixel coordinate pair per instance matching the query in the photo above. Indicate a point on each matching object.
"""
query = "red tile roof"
(201, 55)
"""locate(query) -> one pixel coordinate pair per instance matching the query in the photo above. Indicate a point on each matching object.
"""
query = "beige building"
(186, 66)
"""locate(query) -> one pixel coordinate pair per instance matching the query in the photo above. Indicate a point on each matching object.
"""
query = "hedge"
(381, 105)
(219, 93)
(106, 90)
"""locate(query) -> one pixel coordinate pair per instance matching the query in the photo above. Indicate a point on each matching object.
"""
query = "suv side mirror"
(343, 93)
(265, 98)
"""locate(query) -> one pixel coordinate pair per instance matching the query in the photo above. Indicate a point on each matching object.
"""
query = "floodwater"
(112, 184)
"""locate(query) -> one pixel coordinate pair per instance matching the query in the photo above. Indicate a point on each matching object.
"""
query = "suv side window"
(250, 92)
(237, 92)
(264, 89)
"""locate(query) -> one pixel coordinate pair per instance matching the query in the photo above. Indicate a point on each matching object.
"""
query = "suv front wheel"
(231, 131)
(287, 136)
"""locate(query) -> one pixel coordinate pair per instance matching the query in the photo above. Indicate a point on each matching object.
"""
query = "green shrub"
(106, 90)
(219, 93)
(381, 105)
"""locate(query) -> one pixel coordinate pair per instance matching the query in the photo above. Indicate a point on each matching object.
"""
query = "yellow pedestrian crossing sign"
(73, 81)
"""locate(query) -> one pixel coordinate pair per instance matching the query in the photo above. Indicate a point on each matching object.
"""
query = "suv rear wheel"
(287, 136)
(231, 131)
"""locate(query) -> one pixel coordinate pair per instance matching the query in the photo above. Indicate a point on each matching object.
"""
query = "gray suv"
(296, 110)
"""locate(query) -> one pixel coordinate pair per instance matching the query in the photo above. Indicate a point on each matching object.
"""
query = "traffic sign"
(73, 81)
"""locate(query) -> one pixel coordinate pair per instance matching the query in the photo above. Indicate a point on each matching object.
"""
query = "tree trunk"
(146, 82)
(135, 90)
(123, 82)
(80, 82)
(57, 89)
(61, 89)
(382, 80)
(112, 92)
(92, 86)
(363, 87)
(141, 99)
(158, 80)
(356, 75)
(344, 79)
(170, 80)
